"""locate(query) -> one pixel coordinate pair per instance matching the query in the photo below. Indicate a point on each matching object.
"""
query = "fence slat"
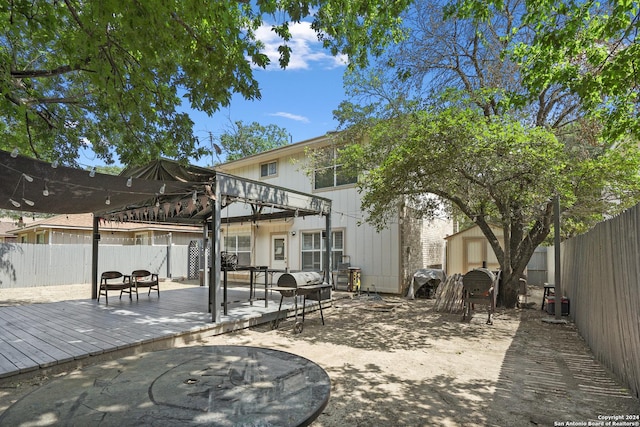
(601, 276)
(30, 265)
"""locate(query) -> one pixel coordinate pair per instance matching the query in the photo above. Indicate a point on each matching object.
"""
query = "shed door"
(478, 251)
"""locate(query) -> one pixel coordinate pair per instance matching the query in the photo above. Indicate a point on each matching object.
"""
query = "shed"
(469, 249)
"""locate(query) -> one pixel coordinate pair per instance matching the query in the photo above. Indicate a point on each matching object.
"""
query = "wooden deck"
(40, 336)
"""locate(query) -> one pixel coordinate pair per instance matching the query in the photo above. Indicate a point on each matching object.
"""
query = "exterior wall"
(433, 244)
(377, 254)
(412, 247)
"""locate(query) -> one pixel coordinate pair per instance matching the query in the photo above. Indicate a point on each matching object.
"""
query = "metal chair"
(114, 281)
(145, 279)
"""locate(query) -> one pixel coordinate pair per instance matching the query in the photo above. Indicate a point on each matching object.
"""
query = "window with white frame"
(268, 169)
(239, 244)
(313, 249)
(140, 239)
(333, 174)
(40, 237)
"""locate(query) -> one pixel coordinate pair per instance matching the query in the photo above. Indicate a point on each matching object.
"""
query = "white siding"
(377, 254)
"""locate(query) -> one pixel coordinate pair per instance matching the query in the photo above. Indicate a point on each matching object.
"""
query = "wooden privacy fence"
(28, 265)
(601, 276)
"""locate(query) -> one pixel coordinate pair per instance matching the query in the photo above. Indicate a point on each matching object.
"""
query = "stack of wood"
(449, 295)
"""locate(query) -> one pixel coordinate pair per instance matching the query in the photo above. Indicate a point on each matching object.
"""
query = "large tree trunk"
(508, 292)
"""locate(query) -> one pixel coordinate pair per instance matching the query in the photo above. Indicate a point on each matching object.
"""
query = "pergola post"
(328, 242)
(214, 275)
(94, 257)
(204, 259)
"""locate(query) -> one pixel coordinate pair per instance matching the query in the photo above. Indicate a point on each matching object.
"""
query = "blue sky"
(300, 99)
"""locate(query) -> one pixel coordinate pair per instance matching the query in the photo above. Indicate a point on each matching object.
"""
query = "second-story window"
(268, 169)
(332, 174)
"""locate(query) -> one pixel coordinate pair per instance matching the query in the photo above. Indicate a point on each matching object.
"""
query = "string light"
(195, 196)
(163, 188)
(14, 153)
(129, 181)
(27, 177)
(108, 200)
(14, 203)
(28, 202)
(93, 172)
(45, 192)
(54, 164)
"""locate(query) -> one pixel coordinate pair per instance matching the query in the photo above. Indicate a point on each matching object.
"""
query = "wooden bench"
(145, 279)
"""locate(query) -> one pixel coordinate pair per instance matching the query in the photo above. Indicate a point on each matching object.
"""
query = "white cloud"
(306, 49)
(291, 116)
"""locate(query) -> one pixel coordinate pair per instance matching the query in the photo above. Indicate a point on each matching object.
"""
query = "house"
(7, 224)
(5, 236)
(387, 259)
(78, 228)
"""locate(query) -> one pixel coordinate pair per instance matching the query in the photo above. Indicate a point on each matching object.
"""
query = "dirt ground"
(398, 362)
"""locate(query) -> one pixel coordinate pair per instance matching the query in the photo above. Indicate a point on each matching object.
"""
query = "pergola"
(163, 191)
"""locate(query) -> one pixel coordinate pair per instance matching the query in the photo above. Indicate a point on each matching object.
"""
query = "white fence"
(28, 265)
(601, 276)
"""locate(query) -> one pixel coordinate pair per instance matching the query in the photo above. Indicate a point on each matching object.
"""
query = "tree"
(109, 170)
(244, 140)
(587, 47)
(113, 74)
(496, 172)
(446, 112)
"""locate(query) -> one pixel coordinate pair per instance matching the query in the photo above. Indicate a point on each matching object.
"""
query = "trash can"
(551, 305)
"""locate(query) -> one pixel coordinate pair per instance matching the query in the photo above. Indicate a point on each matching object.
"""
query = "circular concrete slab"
(211, 385)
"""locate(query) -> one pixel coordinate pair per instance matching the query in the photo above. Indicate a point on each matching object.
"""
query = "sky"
(300, 98)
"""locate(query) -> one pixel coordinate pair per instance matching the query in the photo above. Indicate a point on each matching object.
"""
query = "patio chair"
(114, 281)
(145, 279)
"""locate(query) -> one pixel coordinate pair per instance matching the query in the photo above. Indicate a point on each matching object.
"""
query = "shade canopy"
(31, 185)
(161, 191)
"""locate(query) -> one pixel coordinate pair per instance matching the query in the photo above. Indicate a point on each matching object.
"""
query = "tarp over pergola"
(163, 191)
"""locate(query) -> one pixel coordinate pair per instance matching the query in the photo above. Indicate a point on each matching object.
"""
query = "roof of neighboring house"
(85, 222)
(5, 227)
